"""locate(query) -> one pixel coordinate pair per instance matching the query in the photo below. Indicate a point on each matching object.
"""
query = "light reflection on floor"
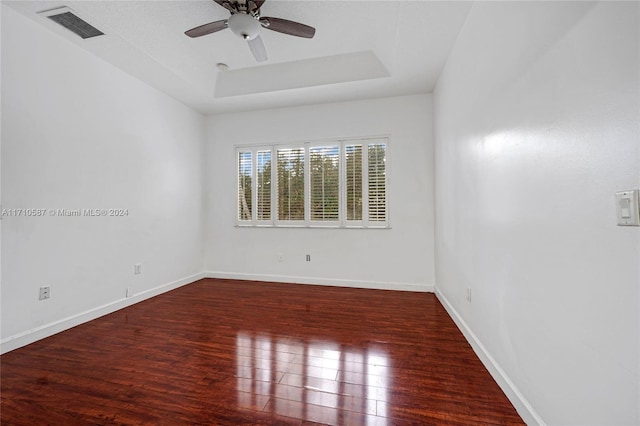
(316, 381)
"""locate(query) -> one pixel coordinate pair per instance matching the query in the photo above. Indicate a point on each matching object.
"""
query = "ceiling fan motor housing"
(244, 26)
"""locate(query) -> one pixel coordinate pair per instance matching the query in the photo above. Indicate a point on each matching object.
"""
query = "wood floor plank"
(239, 352)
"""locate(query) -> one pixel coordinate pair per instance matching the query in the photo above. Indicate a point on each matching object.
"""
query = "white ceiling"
(362, 49)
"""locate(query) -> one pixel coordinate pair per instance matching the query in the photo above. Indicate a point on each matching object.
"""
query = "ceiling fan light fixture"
(244, 26)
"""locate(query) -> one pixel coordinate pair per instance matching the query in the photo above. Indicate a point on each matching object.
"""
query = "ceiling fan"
(245, 22)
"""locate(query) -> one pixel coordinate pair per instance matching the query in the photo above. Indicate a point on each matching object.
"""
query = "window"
(324, 172)
(353, 157)
(263, 185)
(291, 184)
(245, 185)
(331, 184)
(377, 183)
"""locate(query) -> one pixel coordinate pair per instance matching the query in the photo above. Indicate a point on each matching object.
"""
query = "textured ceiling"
(362, 49)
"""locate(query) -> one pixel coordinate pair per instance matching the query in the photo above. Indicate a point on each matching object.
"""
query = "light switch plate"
(628, 208)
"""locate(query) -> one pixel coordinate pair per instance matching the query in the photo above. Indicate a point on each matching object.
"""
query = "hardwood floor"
(222, 352)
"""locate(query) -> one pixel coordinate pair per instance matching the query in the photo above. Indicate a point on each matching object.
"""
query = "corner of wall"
(522, 406)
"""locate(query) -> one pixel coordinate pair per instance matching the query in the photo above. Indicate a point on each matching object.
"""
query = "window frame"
(342, 221)
(253, 149)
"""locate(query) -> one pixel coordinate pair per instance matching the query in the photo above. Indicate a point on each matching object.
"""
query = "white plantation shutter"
(331, 184)
(353, 182)
(324, 175)
(263, 185)
(245, 185)
(377, 182)
(291, 184)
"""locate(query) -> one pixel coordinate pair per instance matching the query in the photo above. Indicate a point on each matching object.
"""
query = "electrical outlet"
(137, 268)
(468, 295)
(308, 258)
(45, 293)
(129, 292)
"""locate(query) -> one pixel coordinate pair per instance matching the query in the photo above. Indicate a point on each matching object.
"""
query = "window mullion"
(307, 185)
(342, 186)
(274, 186)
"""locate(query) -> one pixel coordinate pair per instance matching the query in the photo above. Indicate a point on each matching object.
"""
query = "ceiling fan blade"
(257, 48)
(205, 29)
(227, 5)
(288, 27)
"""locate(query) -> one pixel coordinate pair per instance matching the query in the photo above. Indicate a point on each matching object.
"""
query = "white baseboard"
(22, 339)
(378, 285)
(520, 403)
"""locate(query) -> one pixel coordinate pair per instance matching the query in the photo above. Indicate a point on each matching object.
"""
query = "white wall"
(536, 128)
(78, 133)
(397, 258)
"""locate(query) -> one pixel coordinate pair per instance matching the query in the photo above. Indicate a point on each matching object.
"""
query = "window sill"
(304, 226)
